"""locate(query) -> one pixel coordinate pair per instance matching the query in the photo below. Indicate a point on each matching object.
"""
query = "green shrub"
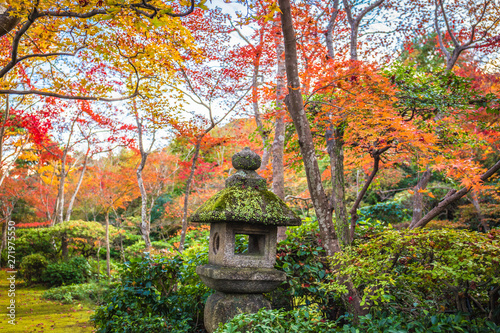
(277, 321)
(75, 271)
(446, 323)
(426, 271)
(304, 261)
(295, 321)
(32, 267)
(34, 240)
(156, 295)
(92, 292)
(386, 212)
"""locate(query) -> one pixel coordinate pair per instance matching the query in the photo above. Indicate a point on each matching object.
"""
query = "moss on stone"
(247, 205)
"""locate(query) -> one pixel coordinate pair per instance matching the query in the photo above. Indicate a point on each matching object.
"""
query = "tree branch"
(354, 209)
(453, 196)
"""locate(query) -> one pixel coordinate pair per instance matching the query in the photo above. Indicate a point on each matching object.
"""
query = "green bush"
(425, 271)
(75, 271)
(395, 323)
(138, 248)
(304, 261)
(34, 240)
(156, 295)
(92, 292)
(386, 212)
(32, 267)
(277, 321)
(301, 321)
(81, 236)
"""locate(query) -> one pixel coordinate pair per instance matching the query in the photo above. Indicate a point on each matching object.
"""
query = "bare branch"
(438, 31)
(453, 38)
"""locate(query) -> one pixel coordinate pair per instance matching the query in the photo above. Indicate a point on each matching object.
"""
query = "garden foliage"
(75, 271)
(91, 292)
(156, 295)
(304, 261)
(426, 271)
(32, 267)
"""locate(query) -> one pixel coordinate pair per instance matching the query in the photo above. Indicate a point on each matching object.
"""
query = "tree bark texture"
(335, 147)
(295, 106)
(329, 30)
(418, 197)
(59, 216)
(144, 226)
(75, 193)
(64, 247)
(279, 130)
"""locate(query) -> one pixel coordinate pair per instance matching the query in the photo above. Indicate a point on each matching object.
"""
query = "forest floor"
(34, 314)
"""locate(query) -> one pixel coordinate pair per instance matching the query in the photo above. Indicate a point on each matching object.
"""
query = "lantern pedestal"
(222, 307)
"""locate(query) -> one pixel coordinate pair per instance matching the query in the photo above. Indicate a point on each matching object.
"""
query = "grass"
(34, 314)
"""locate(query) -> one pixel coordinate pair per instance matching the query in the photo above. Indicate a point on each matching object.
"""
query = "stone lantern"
(244, 210)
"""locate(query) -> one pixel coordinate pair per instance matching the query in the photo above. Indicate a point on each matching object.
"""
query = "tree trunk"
(60, 194)
(99, 261)
(186, 194)
(73, 197)
(108, 254)
(353, 46)
(480, 215)
(329, 29)
(295, 106)
(144, 226)
(335, 147)
(7, 22)
(418, 198)
(64, 247)
(279, 131)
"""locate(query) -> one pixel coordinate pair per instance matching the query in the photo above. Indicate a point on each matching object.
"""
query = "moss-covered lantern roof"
(245, 198)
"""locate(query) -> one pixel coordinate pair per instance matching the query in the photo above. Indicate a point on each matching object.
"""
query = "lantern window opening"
(249, 244)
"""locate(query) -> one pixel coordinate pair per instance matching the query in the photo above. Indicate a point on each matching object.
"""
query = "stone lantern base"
(229, 280)
(239, 290)
(221, 307)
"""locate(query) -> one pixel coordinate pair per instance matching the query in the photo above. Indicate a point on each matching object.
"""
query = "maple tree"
(114, 187)
(216, 83)
(48, 32)
(335, 238)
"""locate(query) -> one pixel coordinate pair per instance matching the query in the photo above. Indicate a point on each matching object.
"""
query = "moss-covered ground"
(34, 314)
